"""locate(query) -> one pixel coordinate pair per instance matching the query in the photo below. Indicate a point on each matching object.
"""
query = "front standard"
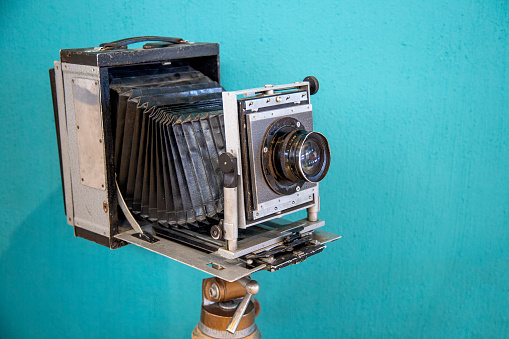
(155, 153)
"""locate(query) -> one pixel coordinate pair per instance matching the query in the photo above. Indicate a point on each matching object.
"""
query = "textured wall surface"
(414, 102)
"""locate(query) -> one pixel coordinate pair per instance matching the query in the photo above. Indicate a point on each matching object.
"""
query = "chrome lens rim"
(323, 157)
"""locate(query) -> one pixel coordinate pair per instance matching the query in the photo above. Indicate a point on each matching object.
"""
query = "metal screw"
(265, 150)
(215, 232)
(298, 123)
(288, 97)
(214, 291)
(268, 100)
(297, 188)
(105, 207)
(278, 99)
(275, 208)
(251, 103)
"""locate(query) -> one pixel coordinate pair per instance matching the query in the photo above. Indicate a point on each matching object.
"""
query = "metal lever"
(143, 235)
(252, 287)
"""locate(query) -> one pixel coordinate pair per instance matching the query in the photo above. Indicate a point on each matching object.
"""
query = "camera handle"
(128, 41)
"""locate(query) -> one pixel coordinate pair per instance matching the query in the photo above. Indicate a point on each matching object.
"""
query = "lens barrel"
(292, 156)
(302, 155)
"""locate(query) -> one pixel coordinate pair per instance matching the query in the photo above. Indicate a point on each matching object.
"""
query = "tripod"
(227, 310)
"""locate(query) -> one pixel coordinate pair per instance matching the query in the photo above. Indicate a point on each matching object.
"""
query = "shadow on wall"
(68, 286)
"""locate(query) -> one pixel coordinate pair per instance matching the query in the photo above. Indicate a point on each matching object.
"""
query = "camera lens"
(304, 156)
(293, 156)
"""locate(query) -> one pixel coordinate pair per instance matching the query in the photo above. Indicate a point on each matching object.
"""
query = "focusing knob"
(227, 162)
(216, 232)
(313, 84)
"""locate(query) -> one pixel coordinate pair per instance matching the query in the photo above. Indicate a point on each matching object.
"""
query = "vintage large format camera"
(155, 153)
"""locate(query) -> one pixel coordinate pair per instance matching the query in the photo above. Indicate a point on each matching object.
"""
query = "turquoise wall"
(414, 102)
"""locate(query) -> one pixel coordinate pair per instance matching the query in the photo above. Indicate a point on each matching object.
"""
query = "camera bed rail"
(285, 243)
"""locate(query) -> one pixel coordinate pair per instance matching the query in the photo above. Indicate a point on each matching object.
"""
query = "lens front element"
(307, 156)
(310, 158)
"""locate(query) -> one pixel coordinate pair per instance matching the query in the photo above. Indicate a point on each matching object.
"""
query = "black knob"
(227, 162)
(313, 84)
(228, 165)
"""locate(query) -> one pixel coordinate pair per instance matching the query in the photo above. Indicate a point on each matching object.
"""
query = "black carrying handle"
(128, 41)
